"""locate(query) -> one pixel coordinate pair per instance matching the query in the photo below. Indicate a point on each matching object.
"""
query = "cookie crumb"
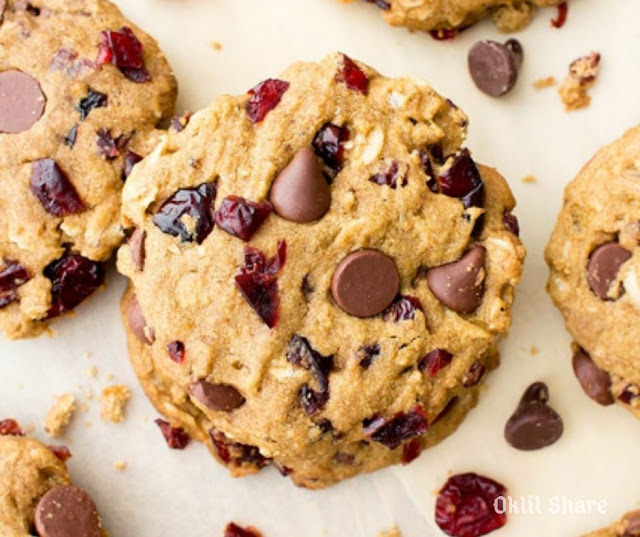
(393, 532)
(534, 350)
(113, 399)
(543, 83)
(60, 415)
(216, 45)
(92, 371)
(583, 73)
(120, 465)
(529, 179)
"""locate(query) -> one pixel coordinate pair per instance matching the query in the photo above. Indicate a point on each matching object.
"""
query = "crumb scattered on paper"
(543, 83)
(120, 465)
(583, 73)
(216, 45)
(59, 415)
(529, 179)
(92, 371)
(114, 399)
(393, 532)
(534, 350)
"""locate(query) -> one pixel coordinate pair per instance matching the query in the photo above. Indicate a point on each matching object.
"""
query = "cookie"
(628, 526)
(319, 272)
(36, 491)
(594, 262)
(81, 92)
(446, 17)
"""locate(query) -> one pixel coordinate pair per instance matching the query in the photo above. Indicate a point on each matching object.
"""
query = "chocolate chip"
(595, 382)
(365, 283)
(632, 521)
(137, 322)
(300, 193)
(136, 243)
(603, 267)
(459, 285)
(534, 424)
(130, 160)
(66, 511)
(221, 397)
(494, 67)
(22, 102)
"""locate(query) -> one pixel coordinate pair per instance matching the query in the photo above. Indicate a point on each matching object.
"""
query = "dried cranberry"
(301, 353)
(382, 4)
(53, 189)
(62, 452)
(176, 351)
(179, 123)
(240, 217)
(130, 160)
(94, 99)
(461, 179)
(176, 437)
(367, 354)
(264, 98)
(312, 401)
(8, 297)
(10, 427)
(73, 279)
(411, 451)
(123, 49)
(12, 276)
(510, 222)
(108, 147)
(404, 308)
(233, 530)
(236, 455)
(390, 176)
(473, 376)
(352, 76)
(444, 34)
(196, 203)
(328, 144)
(392, 432)
(258, 282)
(427, 166)
(435, 361)
(466, 506)
(628, 395)
(561, 18)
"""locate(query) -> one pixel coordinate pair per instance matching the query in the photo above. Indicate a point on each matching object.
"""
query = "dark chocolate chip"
(603, 267)
(130, 160)
(534, 424)
(22, 102)
(459, 285)
(300, 193)
(137, 322)
(365, 283)
(136, 243)
(221, 397)
(595, 382)
(66, 511)
(94, 99)
(494, 67)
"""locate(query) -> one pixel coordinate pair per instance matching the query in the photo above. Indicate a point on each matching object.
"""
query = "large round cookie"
(594, 262)
(36, 494)
(444, 16)
(330, 330)
(81, 91)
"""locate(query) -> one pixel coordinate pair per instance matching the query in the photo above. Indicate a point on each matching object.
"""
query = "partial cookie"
(594, 261)
(36, 492)
(81, 92)
(628, 526)
(320, 273)
(455, 15)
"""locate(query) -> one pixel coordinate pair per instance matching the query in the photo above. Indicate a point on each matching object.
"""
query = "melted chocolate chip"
(603, 267)
(221, 397)
(66, 511)
(494, 67)
(22, 102)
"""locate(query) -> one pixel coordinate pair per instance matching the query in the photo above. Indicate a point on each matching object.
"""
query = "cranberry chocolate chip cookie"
(319, 272)
(81, 91)
(445, 18)
(36, 494)
(594, 262)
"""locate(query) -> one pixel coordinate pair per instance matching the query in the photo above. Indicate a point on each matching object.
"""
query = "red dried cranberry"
(264, 98)
(328, 144)
(312, 401)
(404, 308)
(444, 34)
(352, 76)
(8, 297)
(510, 222)
(435, 361)
(258, 282)
(240, 217)
(62, 452)
(130, 160)
(108, 147)
(301, 353)
(236, 455)
(176, 351)
(53, 189)
(392, 432)
(382, 4)
(12, 276)
(176, 437)
(466, 506)
(197, 203)
(123, 49)
(73, 279)
(462, 180)
(561, 18)
(411, 451)
(233, 530)
(390, 177)
(367, 354)
(628, 395)
(10, 427)
(473, 376)
(94, 99)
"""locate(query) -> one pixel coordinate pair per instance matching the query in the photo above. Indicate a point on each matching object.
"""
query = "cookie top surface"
(594, 258)
(81, 91)
(318, 324)
(508, 15)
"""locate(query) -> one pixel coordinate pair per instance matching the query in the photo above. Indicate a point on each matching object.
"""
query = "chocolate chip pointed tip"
(595, 382)
(67, 511)
(22, 101)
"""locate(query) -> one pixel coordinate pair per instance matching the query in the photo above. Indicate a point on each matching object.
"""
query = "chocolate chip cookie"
(444, 18)
(320, 272)
(628, 526)
(81, 91)
(594, 262)
(36, 491)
